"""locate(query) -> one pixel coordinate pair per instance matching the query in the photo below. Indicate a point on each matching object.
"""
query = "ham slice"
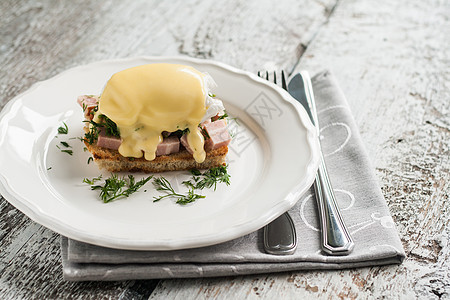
(88, 103)
(168, 146)
(185, 143)
(202, 125)
(218, 135)
(109, 142)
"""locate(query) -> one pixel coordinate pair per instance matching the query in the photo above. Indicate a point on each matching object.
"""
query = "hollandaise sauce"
(146, 100)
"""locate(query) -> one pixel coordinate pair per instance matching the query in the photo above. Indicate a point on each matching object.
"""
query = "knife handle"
(336, 239)
(280, 237)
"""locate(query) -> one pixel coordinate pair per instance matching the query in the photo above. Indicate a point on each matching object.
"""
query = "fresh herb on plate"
(91, 136)
(162, 184)
(205, 133)
(110, 128)
(209, 178)
(116, 187)
(92, 181)
(63, 130)
(68, 151)
(65, 144)
(224, 116)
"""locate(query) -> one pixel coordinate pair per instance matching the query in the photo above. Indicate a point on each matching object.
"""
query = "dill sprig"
(106, 124)
(163, 185)
(209, 178)
(63, 130)
(110, 127)
(92, 181)
(224, 116)
(68, 151)
(115, 187)
(92, 135)
(227, 117)
(65, 144)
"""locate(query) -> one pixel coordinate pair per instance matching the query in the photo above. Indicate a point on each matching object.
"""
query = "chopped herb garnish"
(89, 159)
(205, 133)
(110, 128)
(212, 95)
(92, 181)
(49, 168)
(196, 172)
(199, 180)
(70, 152)
(77, 138)
(116, 187)
(91, 136)
(65, 144)
(209, 178)
(225, 115)
(63, 130)
(162, 184)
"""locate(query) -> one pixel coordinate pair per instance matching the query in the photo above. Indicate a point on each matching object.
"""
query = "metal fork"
(280, 237)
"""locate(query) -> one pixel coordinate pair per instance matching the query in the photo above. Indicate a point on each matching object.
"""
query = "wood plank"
(41, 39)
(389, 59)
(399, 96)
(397, 87)
(45, 38)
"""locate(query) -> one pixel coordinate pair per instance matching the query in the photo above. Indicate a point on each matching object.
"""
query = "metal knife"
(336, 239)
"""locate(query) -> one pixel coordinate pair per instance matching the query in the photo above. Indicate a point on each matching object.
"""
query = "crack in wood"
(303, 46)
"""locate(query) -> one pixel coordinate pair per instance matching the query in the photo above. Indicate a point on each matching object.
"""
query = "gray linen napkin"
(358, 194)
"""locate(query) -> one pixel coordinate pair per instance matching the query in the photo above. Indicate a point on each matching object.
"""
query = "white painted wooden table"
(391, 58)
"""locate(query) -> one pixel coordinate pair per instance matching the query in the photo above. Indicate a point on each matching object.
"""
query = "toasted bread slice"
(113, 161)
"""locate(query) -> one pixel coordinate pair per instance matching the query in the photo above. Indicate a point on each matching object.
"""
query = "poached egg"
(146, 100)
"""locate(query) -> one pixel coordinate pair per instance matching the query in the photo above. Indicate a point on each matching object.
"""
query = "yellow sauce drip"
(146, 100)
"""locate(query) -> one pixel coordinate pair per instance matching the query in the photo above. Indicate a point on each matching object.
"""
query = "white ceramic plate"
(272, 161)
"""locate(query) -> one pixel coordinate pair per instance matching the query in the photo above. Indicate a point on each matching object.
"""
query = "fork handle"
(336, 239)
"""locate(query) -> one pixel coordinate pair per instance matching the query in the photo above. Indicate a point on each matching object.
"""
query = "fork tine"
(283, 77)
(283, 80)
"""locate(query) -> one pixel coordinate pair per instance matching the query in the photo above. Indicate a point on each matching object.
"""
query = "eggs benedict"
(156, 117)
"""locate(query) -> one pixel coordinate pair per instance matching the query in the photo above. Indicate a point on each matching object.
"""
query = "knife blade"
(335, 238)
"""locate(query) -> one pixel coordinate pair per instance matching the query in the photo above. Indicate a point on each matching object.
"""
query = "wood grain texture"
(398, 88)
(389, 60)
(40, 39)
(392, 62)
